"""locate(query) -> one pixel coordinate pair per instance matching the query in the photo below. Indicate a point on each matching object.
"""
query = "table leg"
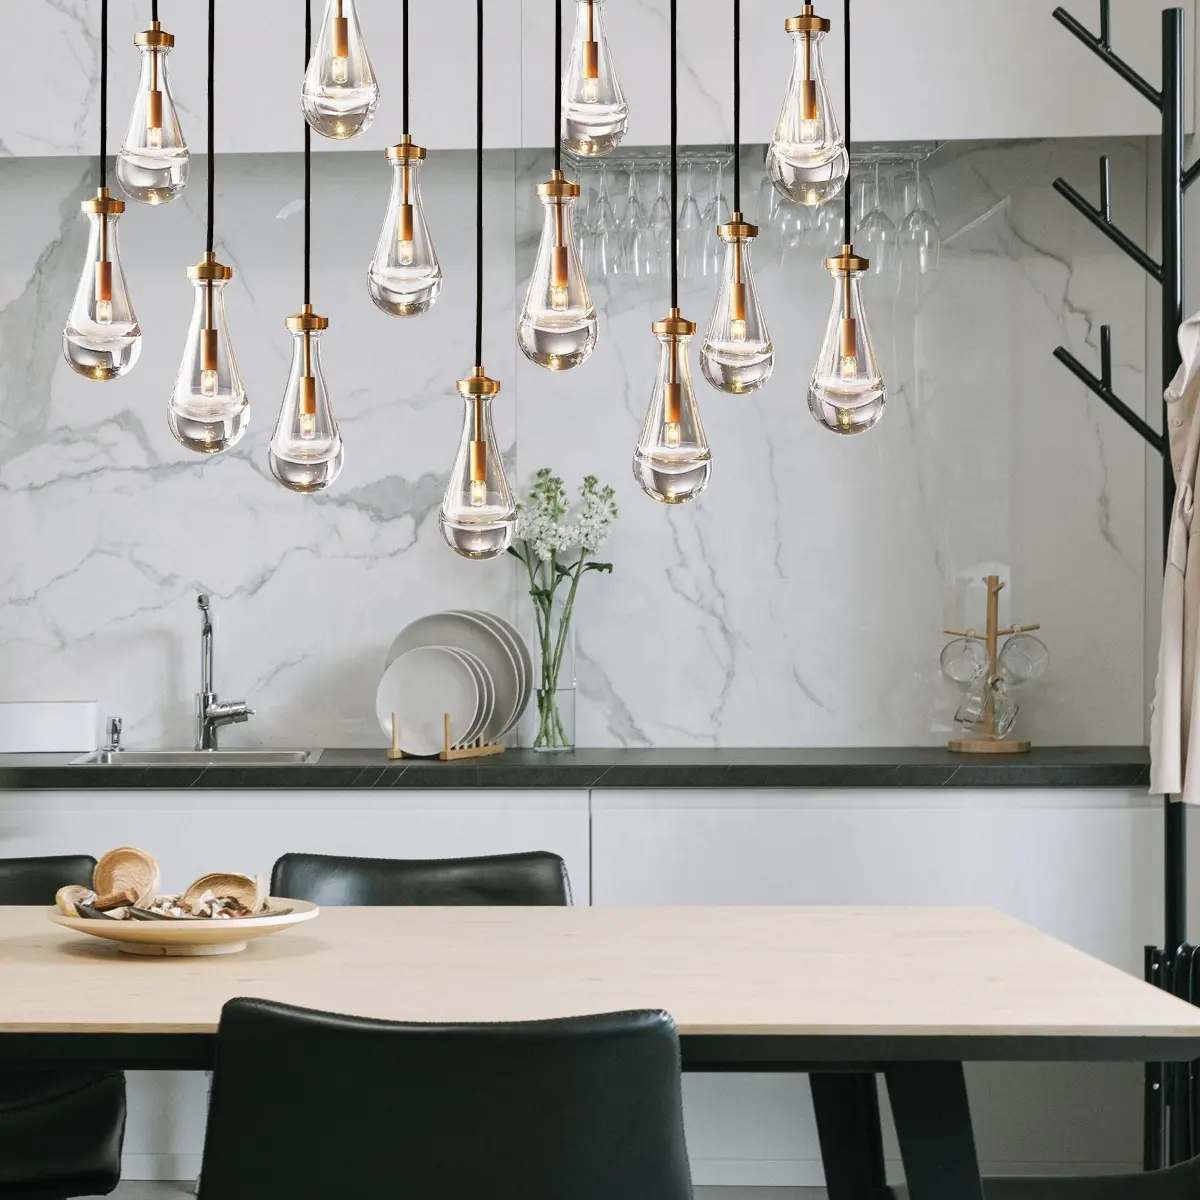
(933, 1123)
(847, 1108)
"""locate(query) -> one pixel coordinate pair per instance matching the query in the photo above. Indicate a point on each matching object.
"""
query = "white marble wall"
(798, 602)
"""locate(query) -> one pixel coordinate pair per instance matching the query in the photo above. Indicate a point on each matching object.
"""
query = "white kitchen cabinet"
(1081, 865)
(191, 832)
(925, 69)
(51, 108)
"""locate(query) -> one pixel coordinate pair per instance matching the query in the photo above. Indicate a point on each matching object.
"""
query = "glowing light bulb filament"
(560, 287)
(737, 298)
(339, 66)
(479, 488)
(308, 407)
(672, 402)
(209, 378)
(406, 252)
(848, 360)
(307, 417)
(104, 308)
(590, 91)
(810, 117)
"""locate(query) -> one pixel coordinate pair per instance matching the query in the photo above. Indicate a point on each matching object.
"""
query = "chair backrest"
(534, 878)
(35, 880)
(312, 1104)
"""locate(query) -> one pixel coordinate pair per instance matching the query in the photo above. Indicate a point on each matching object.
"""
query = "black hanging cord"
(849, 232)
(737, 105)
(674, 165)
(479, 187)
(104, 93)
(153, 10)
(557, 84)
(212, 174)
(307, 159)
(404, 64)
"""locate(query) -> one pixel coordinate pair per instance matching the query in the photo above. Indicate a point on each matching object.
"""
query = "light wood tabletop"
(887, 975)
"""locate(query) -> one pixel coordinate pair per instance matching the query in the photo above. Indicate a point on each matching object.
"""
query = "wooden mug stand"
(990, 742)
(476, 749)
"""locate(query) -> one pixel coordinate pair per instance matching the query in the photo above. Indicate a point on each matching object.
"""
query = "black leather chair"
(534, 878)
(60, 1131)
(310, 1105)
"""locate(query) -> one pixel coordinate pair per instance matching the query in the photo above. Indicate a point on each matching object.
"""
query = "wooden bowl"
(181, 938)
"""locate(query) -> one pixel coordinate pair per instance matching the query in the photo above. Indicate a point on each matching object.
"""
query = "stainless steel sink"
(197, 758)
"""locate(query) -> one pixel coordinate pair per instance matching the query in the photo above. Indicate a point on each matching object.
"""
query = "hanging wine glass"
(692, 231)
(876, 233)
(660, 228)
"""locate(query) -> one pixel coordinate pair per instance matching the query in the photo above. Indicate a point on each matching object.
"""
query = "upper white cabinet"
(53, 109)
(923, 69)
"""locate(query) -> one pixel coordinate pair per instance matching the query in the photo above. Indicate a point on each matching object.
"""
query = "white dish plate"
(170, 939)
(468, 631)
(519, 648)
(420, 686)
(487, 698)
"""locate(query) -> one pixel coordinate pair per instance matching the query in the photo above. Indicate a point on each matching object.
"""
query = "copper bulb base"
(478, 384)
(847, 261)
(675, 325)
(155, 36)
(807, 22)
(103, 203)
(209, 268)
(306, 321)
(405, 148)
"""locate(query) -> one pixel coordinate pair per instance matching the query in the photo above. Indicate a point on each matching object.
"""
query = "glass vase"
(550, 718)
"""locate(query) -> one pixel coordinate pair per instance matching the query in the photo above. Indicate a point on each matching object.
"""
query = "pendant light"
(478, 511)
(847, 392)
(306, 454)
(594, 113)
(557, 326)
(737, 355)
(672, 461)
(101, 337)
(152, 166)
(340, 94)
(208, 411)
(807, 160)
(405, 276)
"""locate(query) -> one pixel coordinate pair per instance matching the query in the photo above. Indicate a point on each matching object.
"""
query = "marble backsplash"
(798, 602)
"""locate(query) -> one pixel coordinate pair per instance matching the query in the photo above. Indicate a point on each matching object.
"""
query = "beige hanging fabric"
(1175, 719)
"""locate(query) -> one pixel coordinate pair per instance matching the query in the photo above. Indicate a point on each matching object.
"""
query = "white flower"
(543, 519)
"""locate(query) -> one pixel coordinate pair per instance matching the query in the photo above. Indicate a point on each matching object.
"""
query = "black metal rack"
(1172, 1090)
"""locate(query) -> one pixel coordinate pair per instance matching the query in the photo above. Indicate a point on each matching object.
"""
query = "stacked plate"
(473, 665)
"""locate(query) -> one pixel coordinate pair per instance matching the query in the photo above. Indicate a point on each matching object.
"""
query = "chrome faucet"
(210, 713)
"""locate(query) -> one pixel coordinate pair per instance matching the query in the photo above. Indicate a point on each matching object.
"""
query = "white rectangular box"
(47, 727)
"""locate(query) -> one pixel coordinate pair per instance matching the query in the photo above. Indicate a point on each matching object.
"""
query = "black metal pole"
(1175, 833)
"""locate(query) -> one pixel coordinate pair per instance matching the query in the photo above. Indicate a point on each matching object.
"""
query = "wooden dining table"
(842, 994)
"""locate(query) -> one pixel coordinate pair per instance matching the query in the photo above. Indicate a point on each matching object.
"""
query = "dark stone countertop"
(850, 767)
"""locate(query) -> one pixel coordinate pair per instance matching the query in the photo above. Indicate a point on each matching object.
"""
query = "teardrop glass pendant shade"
(593, 115)
(478, 514)
(736, 355)
(405, 277)
(807, 160)
(101, 338)
(306, 454)
(340, 94)
(208, 411)
(672, 462)
(152, 166)
(847, 393)
(557, 326)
